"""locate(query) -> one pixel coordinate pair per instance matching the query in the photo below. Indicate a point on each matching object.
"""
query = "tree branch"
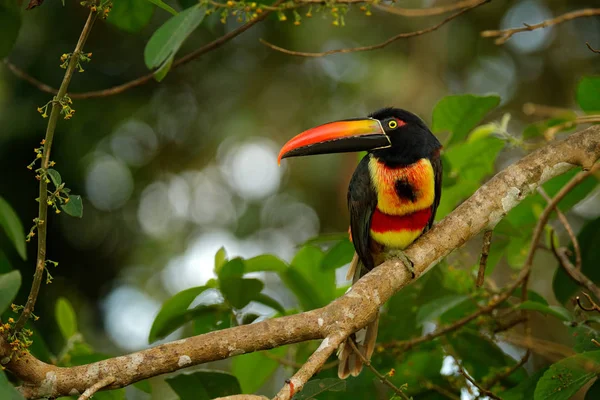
(485, 252)
(351, 312)
(89, 392)
(150, 76)
(379, 45)
(505, 34)
(42, 220)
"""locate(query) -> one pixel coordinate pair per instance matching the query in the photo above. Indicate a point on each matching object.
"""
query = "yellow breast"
(419, 176)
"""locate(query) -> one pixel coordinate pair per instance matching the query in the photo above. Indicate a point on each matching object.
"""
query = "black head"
(391, 134)
(411, 139)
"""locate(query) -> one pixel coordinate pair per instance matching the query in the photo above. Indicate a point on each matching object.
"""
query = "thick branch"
(347, 314)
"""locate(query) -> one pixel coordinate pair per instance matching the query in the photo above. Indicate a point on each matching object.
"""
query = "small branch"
(314, 363)
(381, 377)
(45, 161)
(511, 324)
(541, 110)
(575, 274)
(593, 307)
(485, 252)
(565, 222)
(424, 12)
(89, 392)
(589, 46)
(551, 132)
(150, 76)
(443, 391)
(505, 34)
(510, 371)
(464, 373)
(379, 45)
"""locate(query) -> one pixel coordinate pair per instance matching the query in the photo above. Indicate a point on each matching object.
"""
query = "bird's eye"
(393, 124)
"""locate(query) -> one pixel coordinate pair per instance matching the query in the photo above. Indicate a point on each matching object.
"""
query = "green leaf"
(74, 207)
(10, 21)
(55, 177)
(316, 387)
(251, 378)
(326, 238)
(564, 378)
(11, 224)
(210, 318)
(9, 287)
(164, 6)
(144, 386)
(583, 336)
(231, 269)
(172, 311)
(164, 69)
(307, 295)
(556, 311)
(220, 259)
(432, 310)
(131, 15)
(7, 390)
(269, 302)
(118, 394)
(167, 39)
(65, 317)
(459, 114)
(531, 296)
(338, 256)
(470, 163)
(525, 389)
(307, 262)
(265, 263)
(204, 385)
(588, 238)
(588, 93)
(239, 291)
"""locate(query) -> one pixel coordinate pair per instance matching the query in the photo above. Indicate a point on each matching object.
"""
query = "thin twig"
(42, 223)
(375, 46)
(589, 46)
(505, 34)
(549, 350)
(424, 12)
(576, 275)
(485, 252)
(148, 77)
(503, 375)
(464, 373)
(441, 390)
(509, 325)
(551, 132)
(593, 307)
(565, 222)
(542, 110)
(381, 377)
(89, 392)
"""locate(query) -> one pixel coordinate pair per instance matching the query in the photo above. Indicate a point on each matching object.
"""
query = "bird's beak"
(337, 137)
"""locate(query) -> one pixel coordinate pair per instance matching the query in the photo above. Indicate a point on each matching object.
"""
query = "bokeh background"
(171, 172)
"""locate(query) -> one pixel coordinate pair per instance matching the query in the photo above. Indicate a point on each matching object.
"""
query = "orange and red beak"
(337, 137)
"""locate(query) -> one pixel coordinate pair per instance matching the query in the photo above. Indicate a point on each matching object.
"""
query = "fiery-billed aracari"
(393, 194)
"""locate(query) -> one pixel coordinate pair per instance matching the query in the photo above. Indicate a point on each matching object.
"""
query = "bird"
(393, 195)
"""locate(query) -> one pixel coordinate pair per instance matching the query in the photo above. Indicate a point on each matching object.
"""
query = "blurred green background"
(171, 172)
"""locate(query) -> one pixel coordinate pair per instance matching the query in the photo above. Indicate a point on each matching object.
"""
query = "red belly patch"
(416, 221)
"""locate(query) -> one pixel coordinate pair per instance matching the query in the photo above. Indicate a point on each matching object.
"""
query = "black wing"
(436, 163)
(362, 201)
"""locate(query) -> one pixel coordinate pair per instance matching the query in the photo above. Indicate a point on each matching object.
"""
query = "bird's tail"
(365, 339)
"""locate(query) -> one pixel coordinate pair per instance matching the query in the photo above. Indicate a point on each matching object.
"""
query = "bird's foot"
(399, 254)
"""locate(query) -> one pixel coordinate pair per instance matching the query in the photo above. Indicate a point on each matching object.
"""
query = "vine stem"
(45, 160)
